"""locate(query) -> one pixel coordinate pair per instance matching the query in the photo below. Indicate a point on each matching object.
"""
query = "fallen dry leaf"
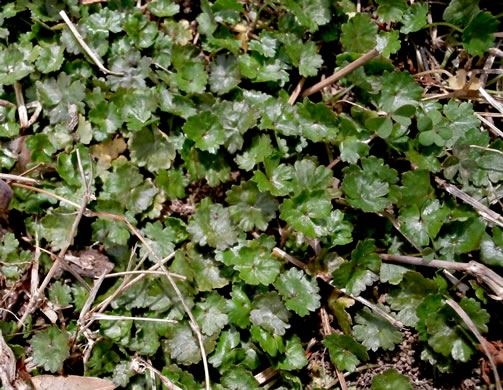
(70, 382)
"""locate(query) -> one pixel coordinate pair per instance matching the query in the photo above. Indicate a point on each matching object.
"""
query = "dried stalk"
(84, 45)
(484, 274)
(485, 212)
(341, 73)
(483, 342)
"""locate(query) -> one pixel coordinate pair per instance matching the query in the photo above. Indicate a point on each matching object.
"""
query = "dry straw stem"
(8, 376)
(84, 45)
(485, 212)
(139, 365)
(84, 211)
(60, 259)
(341, 73)
(497, 132)
(101, 316)
(483, 342)
(484, 274)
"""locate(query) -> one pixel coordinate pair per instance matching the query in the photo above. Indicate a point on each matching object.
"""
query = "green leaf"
(151, 149)
(461, 11)
(294, 357)
(345, 352)
(50, 58)
(239, 307)
(299, 292)
(310, 13)
(224, 74)
(50, 348)
(159, 239)
(308, 213)
(415, 18)
(317, 121)
(270, 313)
(191, 78)
(211, 225)
(278, 179)
(60, 294)
(461, 237)
(368, 187)
(382, 125)
(478, 35)
(249, 208)
(416, 188)
(412, 225)
(182, 345)
(266, 45)
(260, 149)
(203, 270)
(163, 8)
(206, 131)
(360, 271)
(442, 327)
(398, 89)
(359, 33)
(391, 10)
(140, 30)
(411, 292)
(491, 248)
(54, 227)
(238, 378)
(391, 379)
(388, 43)
(211, 314)
(271, 344)
(173, 181)
(254, 262)
(106, 116)
(375, 332)
(225, 348)
(15, 63)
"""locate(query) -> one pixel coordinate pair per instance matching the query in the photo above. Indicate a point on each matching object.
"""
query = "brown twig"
(490, 278)
(296, 91)
(483, 342)
(84, 45)
(485, 212)
(341, 73)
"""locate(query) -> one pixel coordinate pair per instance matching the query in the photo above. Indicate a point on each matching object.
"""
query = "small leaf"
(205, 130)
(250, 208)
(238, 378)
(163, 8)
(359, 33)
(461, 11)
(360, 271)
(414, 18)
(299, 293)
(211, 314)
(345, 352)
(270, 313)
(478, 35)
(391, 380)
(224, 74)
(294, 357)
(391, 10)
(151, 149)
(375, 332)
(50, 348)
(211, 226)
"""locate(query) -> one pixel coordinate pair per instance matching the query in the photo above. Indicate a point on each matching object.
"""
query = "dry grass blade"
(485, 212)
(7, 176)
(492, 101)
(491, 126)
(484, 274)
(100, 316)
(139, 365)
(483, 342)
(84, 45)
(341, 73)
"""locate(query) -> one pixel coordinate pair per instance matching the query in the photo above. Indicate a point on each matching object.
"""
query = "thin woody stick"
(86, 48)
(341, 73)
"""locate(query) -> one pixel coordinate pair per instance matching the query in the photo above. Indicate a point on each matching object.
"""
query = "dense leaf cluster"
(192, 139)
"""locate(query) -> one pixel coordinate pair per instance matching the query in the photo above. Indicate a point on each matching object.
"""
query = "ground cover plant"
(246, 194)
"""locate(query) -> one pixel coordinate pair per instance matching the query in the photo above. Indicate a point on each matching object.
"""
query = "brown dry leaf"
(108, 151)
(5, 196)
(70, 382)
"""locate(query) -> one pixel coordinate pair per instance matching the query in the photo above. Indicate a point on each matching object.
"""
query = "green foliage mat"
(268, 208)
